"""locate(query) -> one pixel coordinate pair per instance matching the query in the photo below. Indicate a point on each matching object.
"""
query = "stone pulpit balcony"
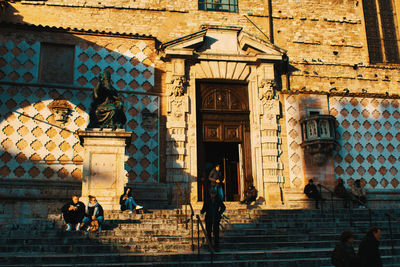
(319, 136)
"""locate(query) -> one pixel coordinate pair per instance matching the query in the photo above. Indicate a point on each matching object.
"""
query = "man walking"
(213, 207)
(368, 251)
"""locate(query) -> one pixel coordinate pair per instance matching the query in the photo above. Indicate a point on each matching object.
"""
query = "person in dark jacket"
(127, 202)
(311, 191)
(341, 192)
(73, 213)
(94, 211)
(213, 207)
(368, 251)
(343, 255)
(250, 195)
(217, 181)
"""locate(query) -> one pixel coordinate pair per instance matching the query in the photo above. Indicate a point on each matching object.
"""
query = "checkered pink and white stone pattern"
(294, 139)
(369, 139)
(31, 147)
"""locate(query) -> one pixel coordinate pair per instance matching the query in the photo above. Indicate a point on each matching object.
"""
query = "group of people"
(77, 215)
(368, 252)
(91, 217)
(357, 193)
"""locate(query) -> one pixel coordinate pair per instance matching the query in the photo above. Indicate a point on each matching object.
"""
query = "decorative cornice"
(365, 95)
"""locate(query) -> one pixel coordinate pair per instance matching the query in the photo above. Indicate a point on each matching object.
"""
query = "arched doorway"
(224, 136)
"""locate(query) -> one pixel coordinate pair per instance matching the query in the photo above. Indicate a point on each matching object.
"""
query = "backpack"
(94, 226)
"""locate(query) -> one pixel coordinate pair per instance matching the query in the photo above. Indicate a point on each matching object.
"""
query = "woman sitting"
(127, 202)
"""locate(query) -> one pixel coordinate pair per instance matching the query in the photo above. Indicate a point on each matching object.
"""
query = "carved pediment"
(216, 42)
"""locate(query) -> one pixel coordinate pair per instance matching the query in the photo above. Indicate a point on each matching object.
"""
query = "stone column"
(177, 108)
(104, 175)
(272, 165)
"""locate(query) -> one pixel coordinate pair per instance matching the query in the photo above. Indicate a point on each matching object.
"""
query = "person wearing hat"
(213, 207)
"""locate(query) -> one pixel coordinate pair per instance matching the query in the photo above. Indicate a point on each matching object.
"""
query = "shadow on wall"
(41, 158)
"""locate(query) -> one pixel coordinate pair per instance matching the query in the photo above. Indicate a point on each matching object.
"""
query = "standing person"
(217, 181)
(213, 207)
(73, 213)
(127, 202)
(368, 251)
(341, 191)
(311, 191)
(343, 255)
(94, 212)
(358, 192)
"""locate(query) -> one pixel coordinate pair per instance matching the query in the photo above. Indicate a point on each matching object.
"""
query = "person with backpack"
(94, 215)
(344, 255)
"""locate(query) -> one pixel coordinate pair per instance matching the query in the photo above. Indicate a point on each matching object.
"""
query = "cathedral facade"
(276, 92)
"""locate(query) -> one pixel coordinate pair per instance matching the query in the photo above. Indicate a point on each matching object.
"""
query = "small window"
(312, 129)
(312, 111)
(56, 63)
(324, 128)
(219, 5)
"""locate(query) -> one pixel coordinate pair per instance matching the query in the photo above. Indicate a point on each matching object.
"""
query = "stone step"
(161, 243)
(204, 260)
(106, 258)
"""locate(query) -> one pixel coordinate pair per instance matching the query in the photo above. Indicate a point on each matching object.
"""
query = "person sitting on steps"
(127, 202)
(341, 192)
(359, 193)
(73, 213)
(250, 195)
(94, 213)
(311, 191)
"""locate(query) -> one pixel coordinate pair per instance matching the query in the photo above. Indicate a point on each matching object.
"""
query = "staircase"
(162, 237)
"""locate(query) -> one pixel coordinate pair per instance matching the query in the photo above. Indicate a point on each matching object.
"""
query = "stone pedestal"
(104, 175)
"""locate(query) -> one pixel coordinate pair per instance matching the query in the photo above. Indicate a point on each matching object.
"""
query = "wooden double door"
(224, 137)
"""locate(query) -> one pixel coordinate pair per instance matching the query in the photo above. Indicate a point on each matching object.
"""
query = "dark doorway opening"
(227, 155)
(223, 134)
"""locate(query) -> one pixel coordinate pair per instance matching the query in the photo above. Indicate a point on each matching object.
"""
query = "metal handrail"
(210, 247)
(322, 203)
(370, 211)
(390, 218)
(191, 215)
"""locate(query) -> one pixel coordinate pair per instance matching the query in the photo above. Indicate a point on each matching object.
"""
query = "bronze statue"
(107, 110)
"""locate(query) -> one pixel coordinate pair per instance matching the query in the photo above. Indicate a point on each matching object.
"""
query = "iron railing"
(390, 218)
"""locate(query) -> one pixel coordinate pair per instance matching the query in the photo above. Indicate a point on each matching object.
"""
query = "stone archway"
(230, 55)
